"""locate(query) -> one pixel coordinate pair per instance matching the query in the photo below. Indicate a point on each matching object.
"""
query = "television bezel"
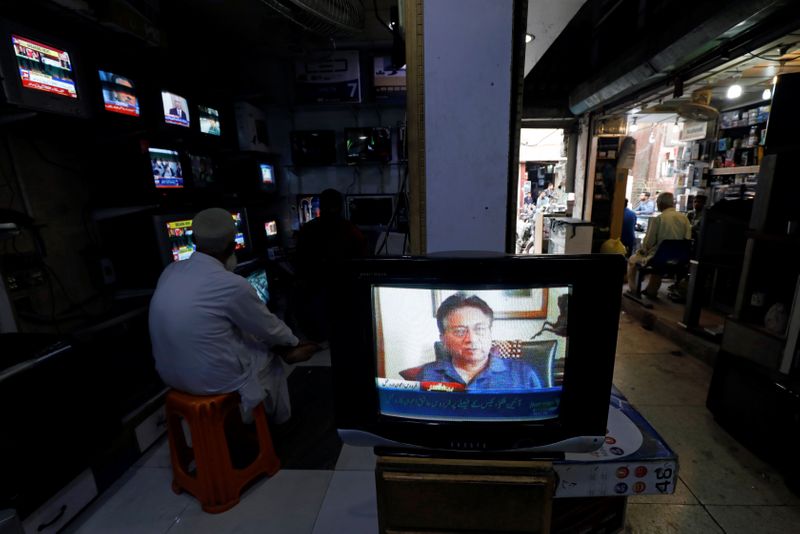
(163, 113)
(181, 159)
(16, 94)
(219, 119)
(330, 148)
(365, 156)
(594, 306)
(347, 199)
(218, 185)
(102, 101)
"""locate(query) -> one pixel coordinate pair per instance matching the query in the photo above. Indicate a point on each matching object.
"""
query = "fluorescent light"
(767, 94)
(528, 38)
(634, 126)
(734, 91)
(635, 110)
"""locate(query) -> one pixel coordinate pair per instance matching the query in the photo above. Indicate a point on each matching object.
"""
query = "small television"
(209, 120)
(204, 171)
(499, 353)
(176, 109)
(267, 173)
(166, 168)
(38, 72)
(271, 229)
(370, 210)
(119, 95)
(313, 147)
(307, 208)
(174, 234)
(368, 144)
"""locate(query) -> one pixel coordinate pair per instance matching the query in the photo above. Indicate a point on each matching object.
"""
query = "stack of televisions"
(47, 80)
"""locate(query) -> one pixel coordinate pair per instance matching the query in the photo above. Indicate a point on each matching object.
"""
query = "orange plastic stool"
(216, 483)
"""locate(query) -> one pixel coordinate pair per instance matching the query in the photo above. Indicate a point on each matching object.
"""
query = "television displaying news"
(239, 237)
(44, 68)
(271, 228)
(176, 109)
(470, 354)
(180, 239)
(267, 174)
(166, 166)
(209, 120)
(118, 94)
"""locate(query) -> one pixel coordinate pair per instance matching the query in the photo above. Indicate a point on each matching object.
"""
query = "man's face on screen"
(468, 335)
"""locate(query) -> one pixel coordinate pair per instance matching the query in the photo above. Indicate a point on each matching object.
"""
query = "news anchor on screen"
(465, 331)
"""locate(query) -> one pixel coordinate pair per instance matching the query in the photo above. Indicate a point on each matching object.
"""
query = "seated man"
(465, 329)
(210, 332)
(670, 224)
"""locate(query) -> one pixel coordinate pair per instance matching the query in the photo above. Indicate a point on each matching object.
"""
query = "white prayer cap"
(213, 230)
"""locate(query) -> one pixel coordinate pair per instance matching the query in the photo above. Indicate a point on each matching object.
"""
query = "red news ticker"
(445, 387)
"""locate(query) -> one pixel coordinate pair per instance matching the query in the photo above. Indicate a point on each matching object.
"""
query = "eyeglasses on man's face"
(480, 330)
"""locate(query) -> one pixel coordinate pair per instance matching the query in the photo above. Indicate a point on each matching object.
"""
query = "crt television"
(313, 147)
(119, 94)
(209, 120)
(40, 72)
(368, 144)
(176, 109)
(166, 167)
(370, 210)
(548, 352)
(174, 235)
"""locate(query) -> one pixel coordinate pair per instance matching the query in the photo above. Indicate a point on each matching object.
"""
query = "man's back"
(670, 224)
(197, 317)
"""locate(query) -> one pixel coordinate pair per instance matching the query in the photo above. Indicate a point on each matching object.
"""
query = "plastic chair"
(215, 482)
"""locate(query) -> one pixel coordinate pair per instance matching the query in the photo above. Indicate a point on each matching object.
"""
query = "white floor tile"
(143, 503)
(356, 459)
(350, 505)
(157, 455)
(662, 379)
(287, 503)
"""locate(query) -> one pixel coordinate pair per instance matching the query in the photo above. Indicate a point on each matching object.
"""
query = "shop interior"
(118, 125)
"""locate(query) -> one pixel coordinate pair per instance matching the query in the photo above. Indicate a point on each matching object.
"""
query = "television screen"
(493, 353)
(307, 208)
(241, 243)
(44, 68)
(203, 173)
(258, 279)
(176, 109)
(209, 120)
(179, 234)
(271, 228)
(267, 174)
(118, 94)
(368, 144)
(467, 354)
(166, 166)
(370, 210)
(313, 147)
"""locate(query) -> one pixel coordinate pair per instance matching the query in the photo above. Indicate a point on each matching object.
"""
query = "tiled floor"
(722, 487)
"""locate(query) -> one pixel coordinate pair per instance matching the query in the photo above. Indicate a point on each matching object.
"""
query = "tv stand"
(421, 494)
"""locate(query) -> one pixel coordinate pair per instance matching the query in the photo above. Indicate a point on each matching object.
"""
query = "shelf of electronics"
(721, 171)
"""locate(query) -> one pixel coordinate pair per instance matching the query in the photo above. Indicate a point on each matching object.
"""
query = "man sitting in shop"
(210, 332)
(646, 206)
(465, 332)
(670, 224)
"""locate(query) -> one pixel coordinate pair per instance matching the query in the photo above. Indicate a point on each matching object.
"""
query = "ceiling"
(614, 52)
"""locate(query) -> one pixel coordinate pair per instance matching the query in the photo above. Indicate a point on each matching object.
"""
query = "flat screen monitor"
(313, 147)
(307, 208)
(204, 173)
(368, 144)
(209, 120)
(119, 95)
(370, 210)
(499, 353)
(271, 229)
(166, 167)
(176, 109)
(44, 68)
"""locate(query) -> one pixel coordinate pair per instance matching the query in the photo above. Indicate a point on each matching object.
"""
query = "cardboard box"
(634, 460)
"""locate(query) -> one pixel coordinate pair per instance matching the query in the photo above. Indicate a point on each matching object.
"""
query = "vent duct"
(322, 17)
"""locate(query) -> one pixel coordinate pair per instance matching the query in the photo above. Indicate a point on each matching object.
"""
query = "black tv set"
(368, 144)
(271, 229)
(166, 167)
(313, 147)
(119, 94)
(204, 172)
(307, 208)
(174, 236)
(547, 350)
(266, 172)
(370, 210)
(39, 72)
(176, 109)
(209, 120)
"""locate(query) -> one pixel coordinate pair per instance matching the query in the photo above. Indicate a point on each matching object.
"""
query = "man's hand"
(300, 353)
